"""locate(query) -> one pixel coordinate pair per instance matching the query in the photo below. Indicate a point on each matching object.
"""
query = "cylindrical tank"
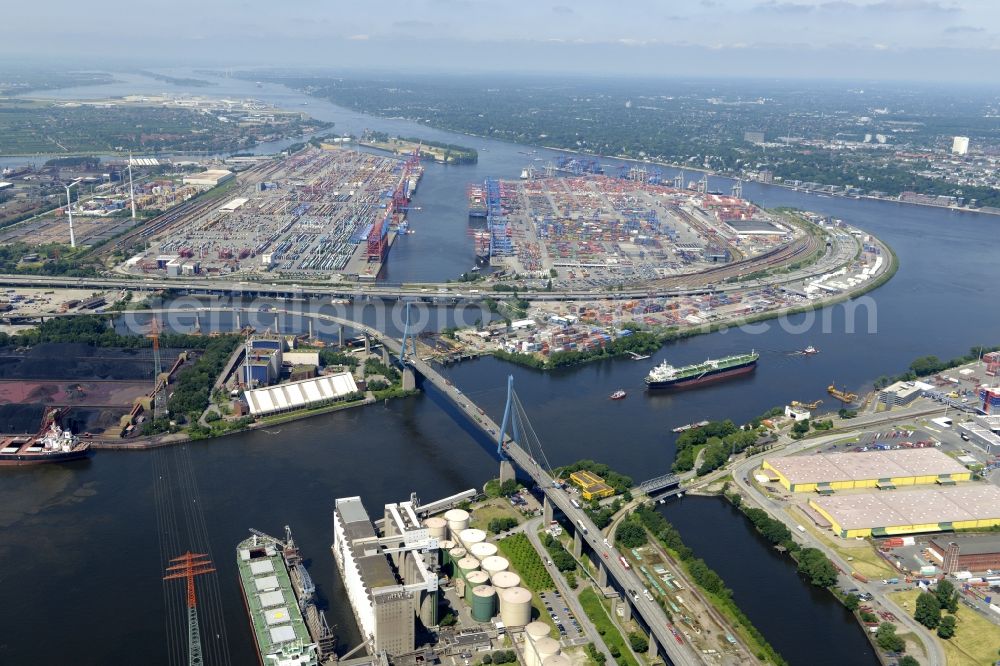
(475, 579)
(536, 630)
(495, 564)
(465, 566)
(437, 527)
(471, 537)
(457, 553)
(557, 660)
(484, 599)
(546, 647)
(515, 606)
(505, 579)
(482, 550)
(458, 520)
(445, 548)
(429, 608)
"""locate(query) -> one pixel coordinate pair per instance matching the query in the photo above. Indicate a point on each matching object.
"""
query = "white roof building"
(296, 395)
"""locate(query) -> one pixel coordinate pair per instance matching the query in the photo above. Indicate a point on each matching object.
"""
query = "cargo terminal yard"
(314, 214)
(618, 229)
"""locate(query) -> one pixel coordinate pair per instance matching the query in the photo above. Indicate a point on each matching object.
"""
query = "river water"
(79, 555)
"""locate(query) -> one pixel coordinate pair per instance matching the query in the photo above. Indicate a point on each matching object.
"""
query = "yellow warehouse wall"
(862, 483)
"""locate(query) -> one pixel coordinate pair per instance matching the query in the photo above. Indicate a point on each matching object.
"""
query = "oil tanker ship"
(280, 599)
(665, 376)
(52, 445)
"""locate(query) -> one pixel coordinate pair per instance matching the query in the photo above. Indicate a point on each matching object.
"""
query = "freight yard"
(314, 214)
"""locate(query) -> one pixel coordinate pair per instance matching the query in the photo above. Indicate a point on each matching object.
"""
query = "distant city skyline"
(905, 39)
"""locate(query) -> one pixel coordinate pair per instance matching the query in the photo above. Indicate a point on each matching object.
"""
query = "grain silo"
(482, 550)
(484, 599)
(437, 528)
(505, 579)
(458, 520)
(515, 606)
(545, 648)
(495, 564)
(472, 580)
(465, 566)
(470, 537)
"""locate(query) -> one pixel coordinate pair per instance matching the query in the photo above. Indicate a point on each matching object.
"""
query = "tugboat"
(619, 394)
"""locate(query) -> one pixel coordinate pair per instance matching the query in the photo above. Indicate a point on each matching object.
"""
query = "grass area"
(525, 561)
(976, 639)
(498, 507)
(609, 632)
(303, 413)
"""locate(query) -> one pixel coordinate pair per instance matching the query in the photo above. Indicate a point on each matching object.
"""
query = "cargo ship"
(52, 445)
(280, 598)
(667, 376)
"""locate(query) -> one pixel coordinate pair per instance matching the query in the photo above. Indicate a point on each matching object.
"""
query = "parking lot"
(566, 623)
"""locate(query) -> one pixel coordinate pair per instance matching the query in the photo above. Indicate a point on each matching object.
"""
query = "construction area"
(316, 213)
(609, 230)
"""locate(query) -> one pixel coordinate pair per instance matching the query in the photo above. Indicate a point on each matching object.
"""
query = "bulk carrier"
(51, 445)
(666, 376)
(280, 598)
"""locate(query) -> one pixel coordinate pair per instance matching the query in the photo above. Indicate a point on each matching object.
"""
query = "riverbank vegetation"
(716, 442)
(608, 630)
(926, 366)
(708, 580)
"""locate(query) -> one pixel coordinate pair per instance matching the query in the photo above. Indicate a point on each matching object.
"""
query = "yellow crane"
(843, 396)
(807, 405)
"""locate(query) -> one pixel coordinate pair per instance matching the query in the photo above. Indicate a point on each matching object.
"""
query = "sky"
(904, 39)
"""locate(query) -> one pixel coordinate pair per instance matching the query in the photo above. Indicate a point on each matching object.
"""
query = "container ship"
(482, 243)
(667, 376)
(280, 598)
(51, 445)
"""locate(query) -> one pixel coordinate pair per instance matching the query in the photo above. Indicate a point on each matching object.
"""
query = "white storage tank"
(472, 580)
(470, 537)
(515, 606)
(536, 630)
(503, 580)
(458, 520)
(545, 648)
(465, 566)
(495, 564)
(437, 528)
(482, 550)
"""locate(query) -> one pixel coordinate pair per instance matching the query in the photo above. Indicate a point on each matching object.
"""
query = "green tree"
(638, 642)
(907, 660)
(887, 639)
(852, 602)
(814, 564)
(509, 487)
(946, 595)
(928, 611)
(947, 627)
(630, 534)
(487, 659)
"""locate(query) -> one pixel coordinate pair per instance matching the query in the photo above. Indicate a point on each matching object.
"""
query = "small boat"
(619, 394)
(475, 269)
(689, 426)
(809, 350)
(638, 357)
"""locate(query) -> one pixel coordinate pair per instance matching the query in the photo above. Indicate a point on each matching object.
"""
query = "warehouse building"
(981, 436)
(827, 472)
(392, 579)
(902, 393)
(298, 395)
(966, 552)
(209, 178)
(974, 506)
(591, 486)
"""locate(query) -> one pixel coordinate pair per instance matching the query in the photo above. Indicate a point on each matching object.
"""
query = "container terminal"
(315, 213)
(631, 230)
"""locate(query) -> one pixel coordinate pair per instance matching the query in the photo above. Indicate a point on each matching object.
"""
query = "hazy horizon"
(907, 40)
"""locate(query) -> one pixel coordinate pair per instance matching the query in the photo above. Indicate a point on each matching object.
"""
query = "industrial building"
(974, 506)
(209, 178)
(262, 361)
(392, 579)
(902, 393)
(591, 486)
(960, 145)
(827, 472)
(300, 394)
(966, 552)
(981, 436)
(990, 398)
